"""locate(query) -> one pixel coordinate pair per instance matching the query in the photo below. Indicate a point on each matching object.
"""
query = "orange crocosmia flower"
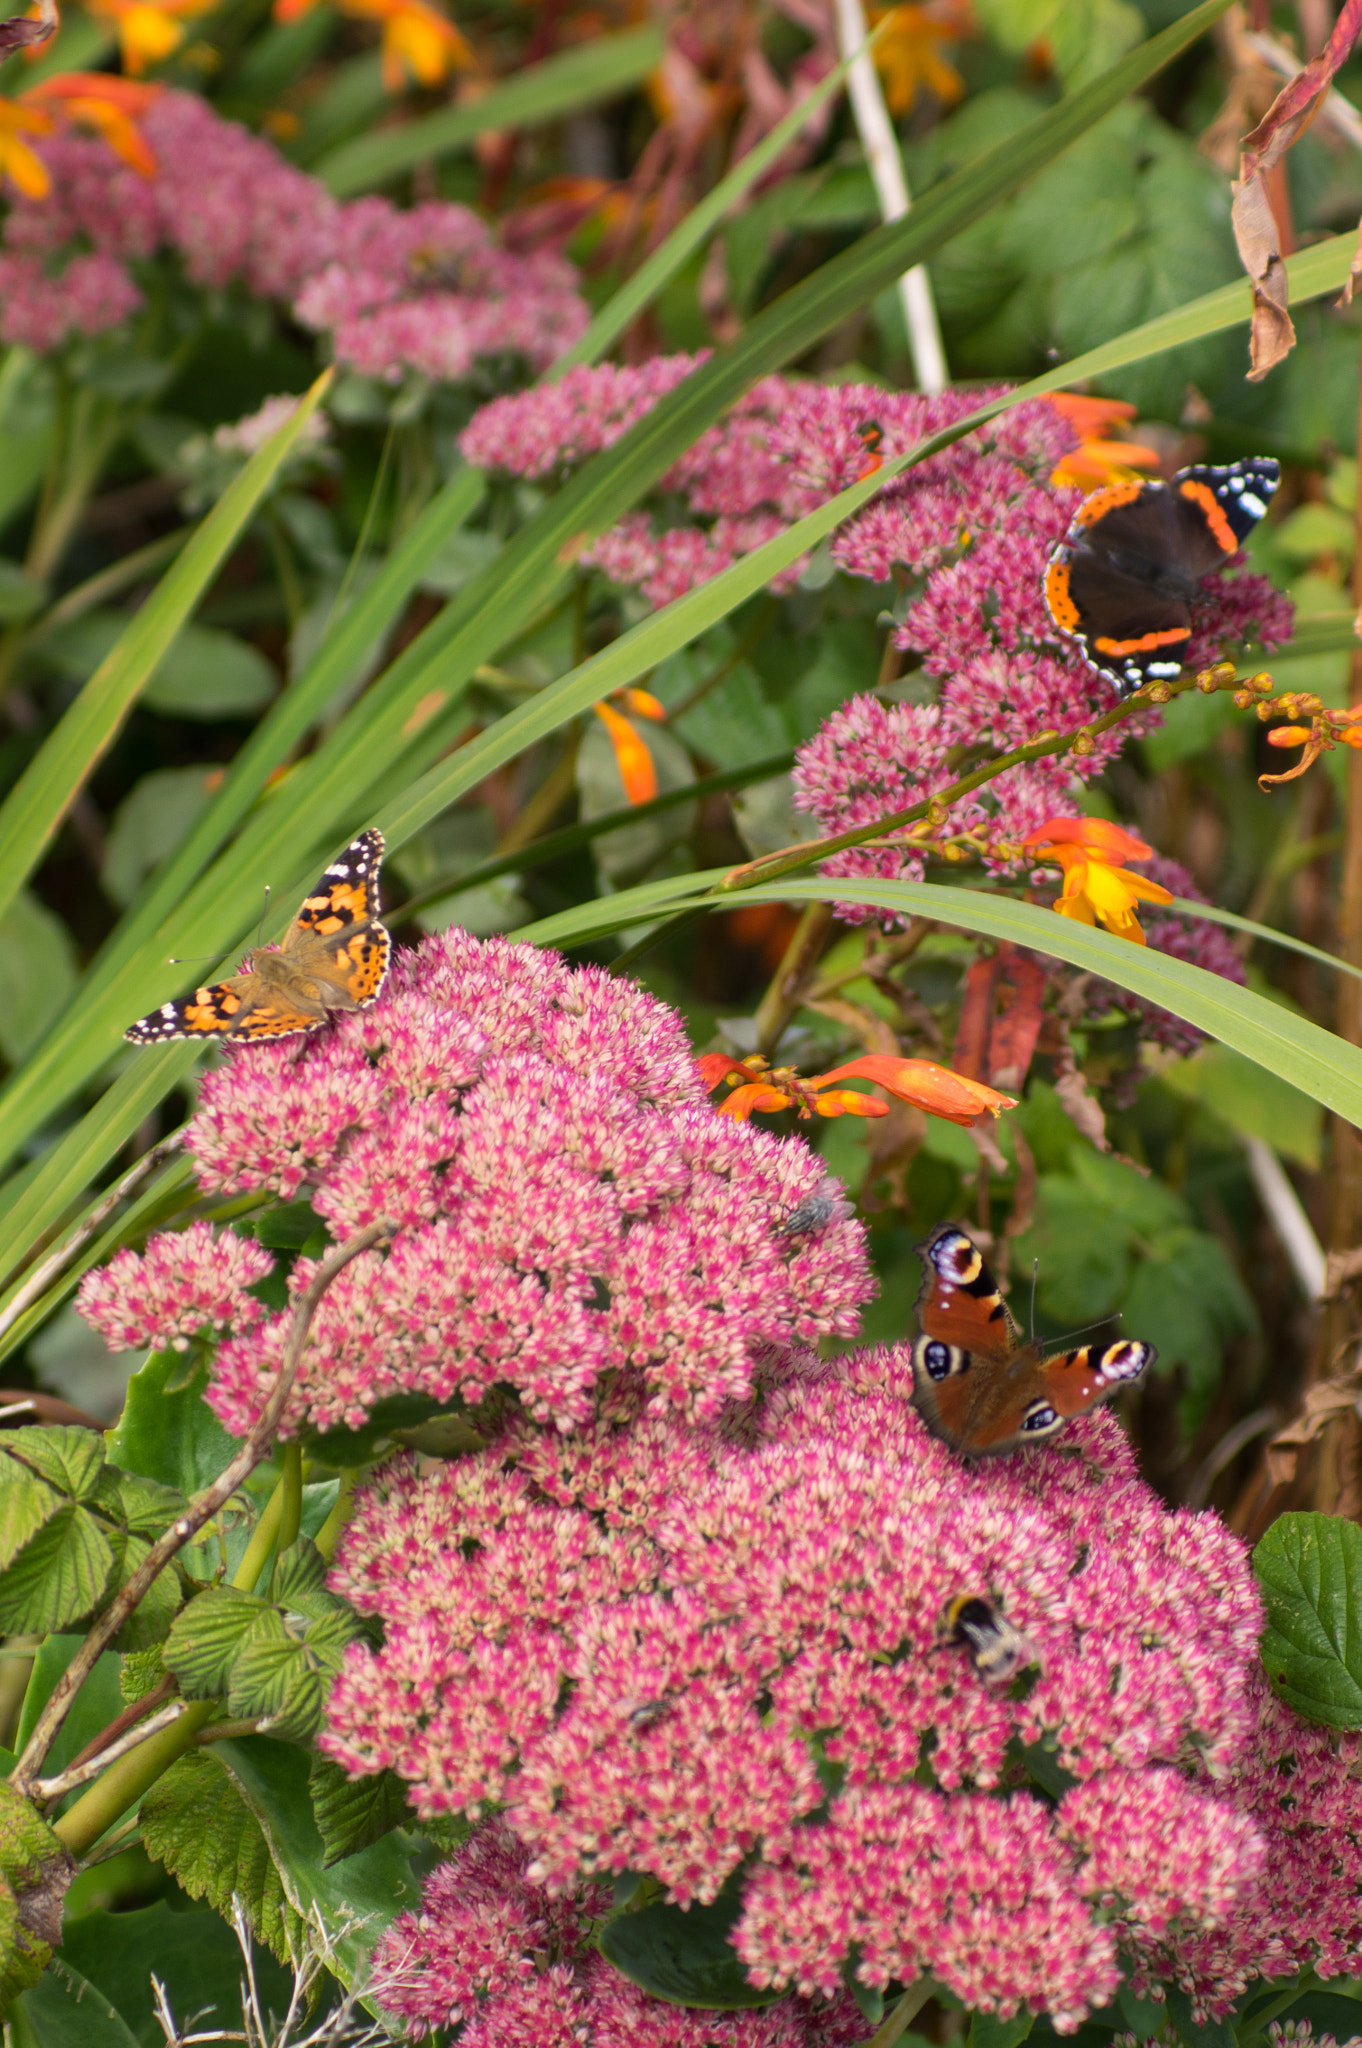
(109, 105)
(1097, 459)
(418, 41)
(928, 1086)
(908, 56)
(1096, 890)
(148, 30)
(20, 164)
(754, 1096)
(638, 772)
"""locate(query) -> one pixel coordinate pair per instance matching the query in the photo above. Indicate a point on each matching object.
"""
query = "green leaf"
(58, 1577)
(45, 791)
(37, 973)
(352, 1813)
(96, 1704)
(1309, 1568)
(171, 1437)
(1326, 2012)
(69, 1458)
(206, 1639)
(64, 2010)
(150, 823)
(26, 1503)
(21, 594)
(684, 1957)
(35, 1871)
(1251, 1102)
(158, 1606)
(204, 673)
(599, 69)
(1192, 2032)
(196, 1822)
(194, 1954)
(355, 1900)
(986, 2031)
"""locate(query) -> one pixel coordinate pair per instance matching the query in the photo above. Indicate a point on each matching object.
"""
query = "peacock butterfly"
(976, 1385)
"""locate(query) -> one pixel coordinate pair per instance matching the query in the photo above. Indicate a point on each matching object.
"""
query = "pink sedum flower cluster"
(567, 1203)
(745, 1674)
(518, 1969)
(427, 289)
(185, 1282)
(966, 535)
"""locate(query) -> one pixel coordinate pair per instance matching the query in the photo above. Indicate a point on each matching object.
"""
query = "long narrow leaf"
(1315, 1061)
(1214, 915)
(548, 91)
(50, 784)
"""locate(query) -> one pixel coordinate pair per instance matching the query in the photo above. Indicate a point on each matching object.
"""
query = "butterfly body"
(976, 1385)
(333, 957)
(1123, 581)
(996, 1648)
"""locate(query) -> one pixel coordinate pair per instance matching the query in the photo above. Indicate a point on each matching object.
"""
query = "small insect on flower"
(996, 1649)
(334, 957)
(827, 1204)
(643, 1714)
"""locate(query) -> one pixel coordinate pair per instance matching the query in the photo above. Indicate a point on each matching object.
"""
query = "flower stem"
(290, 1489)
(123, 1784)
(793, 975)
(896, 2023)
(329, 1535)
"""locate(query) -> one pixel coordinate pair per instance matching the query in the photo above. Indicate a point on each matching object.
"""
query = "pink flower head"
(516, 1968)
(567, 1203)
(185, 1281)
(748, 1673)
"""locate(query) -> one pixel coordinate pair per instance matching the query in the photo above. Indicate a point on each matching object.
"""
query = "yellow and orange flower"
(638, 772)
(759, 1086)
(419, 41)
(1097, 459)
(1097, 890)
(108, 105)
(148, 31)
(18, 162)
(908, 54)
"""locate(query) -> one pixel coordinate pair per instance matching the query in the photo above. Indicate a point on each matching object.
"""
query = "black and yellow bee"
(997, 1650)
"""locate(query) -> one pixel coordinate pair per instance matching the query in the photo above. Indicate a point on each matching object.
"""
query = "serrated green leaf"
(174, 1438)
(70, 1459)
(158, 1606)
(1309, 1568)
(352, 1813)
(145, 1507)
(354, 1900)
(284, 1667)
(206, 1637)
(35, 1871)
(57, 1578)
(684, 1957)
(196, 1822)
(298, 1572)
(26, 1502)
(21, 1959)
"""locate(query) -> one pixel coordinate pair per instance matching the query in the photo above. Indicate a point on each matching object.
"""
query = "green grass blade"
(35, 807)
(1214, 915)
(648, 280)
(556, 846)
(548, 91)
(1315, 1061)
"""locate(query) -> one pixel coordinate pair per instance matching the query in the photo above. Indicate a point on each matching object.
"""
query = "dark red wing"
(1072, 1382)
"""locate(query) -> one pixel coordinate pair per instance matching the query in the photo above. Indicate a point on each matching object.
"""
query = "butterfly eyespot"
(1039, 1418)
(937, 1359)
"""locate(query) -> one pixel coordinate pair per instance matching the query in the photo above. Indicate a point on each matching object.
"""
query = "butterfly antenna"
(1035, 1271)
(264, 913)
(1084, 1328)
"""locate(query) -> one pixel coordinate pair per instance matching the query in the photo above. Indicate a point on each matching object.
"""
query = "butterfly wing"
(337, 939)
(1128, 633)
(1036, 1401)
(218, 1010)
(966, 1336)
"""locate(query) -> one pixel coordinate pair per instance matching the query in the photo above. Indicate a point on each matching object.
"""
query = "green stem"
(793, 975)
(291, 1512)
(896, 2022)
(328, 1536)
(124, 1782)
(248, 1572)
(109, 582)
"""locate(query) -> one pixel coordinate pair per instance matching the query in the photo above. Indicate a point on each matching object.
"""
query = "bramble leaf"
(70, 1459)
(196, 1822)
(35, 1870)
(206, 1638)
(1310, 1570)
(353, 1812)
(58, 1577)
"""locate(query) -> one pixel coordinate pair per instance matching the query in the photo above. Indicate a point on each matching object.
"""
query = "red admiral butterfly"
(976, 1385)
(1126, 574)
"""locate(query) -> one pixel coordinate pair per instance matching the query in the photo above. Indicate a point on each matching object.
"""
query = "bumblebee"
(997, 1650)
